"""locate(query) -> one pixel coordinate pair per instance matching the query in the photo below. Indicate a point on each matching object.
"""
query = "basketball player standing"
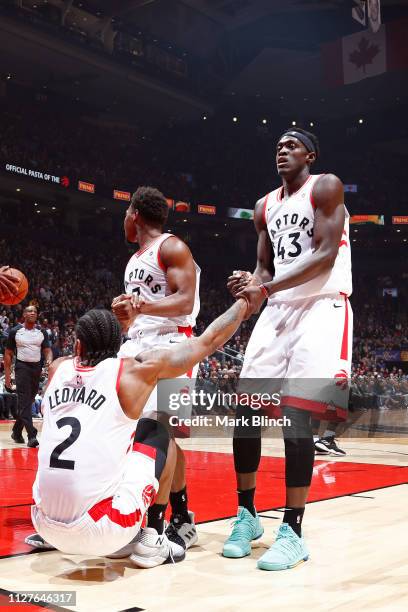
(304, 332)
(165, 277)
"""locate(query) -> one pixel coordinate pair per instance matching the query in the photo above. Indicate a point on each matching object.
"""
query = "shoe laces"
(286, 539)
(173, 536)
(241, 528)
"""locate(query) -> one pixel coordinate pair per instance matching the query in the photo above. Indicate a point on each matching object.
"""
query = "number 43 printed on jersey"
(288, 246)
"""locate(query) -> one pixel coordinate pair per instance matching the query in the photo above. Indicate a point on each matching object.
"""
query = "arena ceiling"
(264, 51)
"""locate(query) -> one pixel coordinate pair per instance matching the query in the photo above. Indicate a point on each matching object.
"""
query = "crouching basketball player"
(94, 485)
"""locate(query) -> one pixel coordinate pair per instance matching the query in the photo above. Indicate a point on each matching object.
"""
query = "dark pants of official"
(27, 381)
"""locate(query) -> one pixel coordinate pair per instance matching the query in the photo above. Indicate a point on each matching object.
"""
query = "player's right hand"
(8, 282)
(238, 281)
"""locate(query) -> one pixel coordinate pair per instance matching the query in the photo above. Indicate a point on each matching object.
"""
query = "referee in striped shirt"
(28, 344)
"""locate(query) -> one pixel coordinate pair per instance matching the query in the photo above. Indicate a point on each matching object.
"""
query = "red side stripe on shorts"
(149, 451)
(104, 508)
(187, 331)
(345, 340)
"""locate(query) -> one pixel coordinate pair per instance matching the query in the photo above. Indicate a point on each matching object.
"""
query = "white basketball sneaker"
(36, 541)
(186, 531)
(152, 549)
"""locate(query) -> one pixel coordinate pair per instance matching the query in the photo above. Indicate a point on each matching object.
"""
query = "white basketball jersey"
(290, 225)
(146, 276)
(84, 441)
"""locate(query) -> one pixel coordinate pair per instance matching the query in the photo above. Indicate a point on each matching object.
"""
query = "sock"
(316, 438)
(246, 500)
(293, 517)
(179, 501)
(155, 517)
(329, 433)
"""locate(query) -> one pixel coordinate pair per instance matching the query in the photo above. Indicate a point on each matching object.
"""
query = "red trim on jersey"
(104, 508)
(149, 451)
(159, 259)
(141, 251)
(343, 242)
(280, 194)
(264, 208)
(344, 342)
(119, 375)
(311, 192)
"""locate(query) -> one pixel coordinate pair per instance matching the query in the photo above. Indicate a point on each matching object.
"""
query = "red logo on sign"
(65, 181)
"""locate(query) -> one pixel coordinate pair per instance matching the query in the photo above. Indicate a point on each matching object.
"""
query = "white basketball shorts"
(303, 339)
(110, 523)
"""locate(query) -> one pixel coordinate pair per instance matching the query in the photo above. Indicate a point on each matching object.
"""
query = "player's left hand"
(238, 281)
(254, 296)
(125, 308)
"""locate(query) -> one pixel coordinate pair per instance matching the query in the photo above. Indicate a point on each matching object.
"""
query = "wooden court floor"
(356, 527)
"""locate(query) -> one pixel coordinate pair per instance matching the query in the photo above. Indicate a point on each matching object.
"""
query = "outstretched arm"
(177, 360)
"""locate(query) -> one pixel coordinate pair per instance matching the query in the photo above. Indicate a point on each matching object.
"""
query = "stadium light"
(264, 121)
(293, 122)
(311, 124)
(235, 119)
(361, 121)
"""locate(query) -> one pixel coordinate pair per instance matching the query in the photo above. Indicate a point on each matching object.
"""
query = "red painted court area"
(211, 487)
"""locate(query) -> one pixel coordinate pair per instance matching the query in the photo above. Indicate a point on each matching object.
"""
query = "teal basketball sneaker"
(245, 529)
(286, 552)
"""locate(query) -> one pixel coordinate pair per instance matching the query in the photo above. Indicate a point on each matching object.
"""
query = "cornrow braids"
(100, 334)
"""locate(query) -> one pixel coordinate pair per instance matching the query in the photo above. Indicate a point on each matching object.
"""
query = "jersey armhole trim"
(311, 191)
(119, 374)
(159, 259)
(264, 208)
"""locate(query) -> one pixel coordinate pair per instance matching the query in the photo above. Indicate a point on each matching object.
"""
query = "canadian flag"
(366, 54)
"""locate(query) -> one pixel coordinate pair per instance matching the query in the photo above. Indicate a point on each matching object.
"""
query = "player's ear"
(311, 158)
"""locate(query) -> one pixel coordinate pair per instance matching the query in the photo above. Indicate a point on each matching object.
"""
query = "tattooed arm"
(177, 360)
(140, 375)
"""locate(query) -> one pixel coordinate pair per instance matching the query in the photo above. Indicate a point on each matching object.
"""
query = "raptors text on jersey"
(290, 224)
(145, 276)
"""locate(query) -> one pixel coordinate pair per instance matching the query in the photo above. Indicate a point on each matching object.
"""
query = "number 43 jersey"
(84, 441)
(290, 224)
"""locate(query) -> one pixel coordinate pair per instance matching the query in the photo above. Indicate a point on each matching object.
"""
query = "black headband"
(305, 140)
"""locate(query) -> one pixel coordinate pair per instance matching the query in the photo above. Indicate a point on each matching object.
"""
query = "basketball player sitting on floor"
(93, 484)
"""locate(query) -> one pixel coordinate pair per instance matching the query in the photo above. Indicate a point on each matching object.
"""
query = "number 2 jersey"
(290, 224)
(145, 275)
(85, 439)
